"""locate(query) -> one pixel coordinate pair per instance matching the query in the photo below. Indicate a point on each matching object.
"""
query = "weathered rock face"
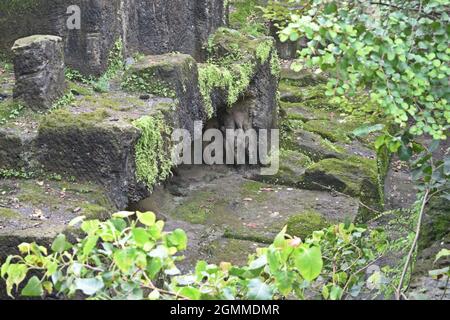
(161, 26)
(172, 76)
(39, 71)
(86, 49)
(149, 26)
(249, 63)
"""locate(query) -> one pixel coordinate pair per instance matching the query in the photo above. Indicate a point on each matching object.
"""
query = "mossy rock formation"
(304, 224)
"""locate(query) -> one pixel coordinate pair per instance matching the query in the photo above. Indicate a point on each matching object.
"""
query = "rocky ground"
(327, 174)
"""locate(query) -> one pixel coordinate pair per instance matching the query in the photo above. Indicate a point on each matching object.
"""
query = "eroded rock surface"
(148, 26)
(39, 71)
(220, 209)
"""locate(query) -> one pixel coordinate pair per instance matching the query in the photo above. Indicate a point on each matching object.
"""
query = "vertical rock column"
(39, 71)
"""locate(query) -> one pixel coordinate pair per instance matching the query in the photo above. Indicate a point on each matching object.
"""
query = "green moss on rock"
(304, 224)
(233, 61)
(349, 174)
(6, 213)
(197, 208)
(292, 167)
(158, 75)
(437, 222)
(354, 176)
(95, 211)
(153, 153)
(338, 130)
(63, 118)
(252, 189)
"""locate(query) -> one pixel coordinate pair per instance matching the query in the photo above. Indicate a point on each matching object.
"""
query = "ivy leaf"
(60, 244)
(336, 293)
(258, 290)
(258, 263)
(154, 267)
(330, 8)
(178, 239)
(190, 293)
(33, 288)
(284, 281)
(124, 260)
(89, 286)
(309, 262)
(89, 245)
(140, 236)
(443, 253)
(147, 218)
(404, 153)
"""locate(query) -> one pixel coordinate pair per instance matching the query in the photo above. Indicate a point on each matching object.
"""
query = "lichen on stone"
(6, 213)
(302, 225)
(64, 119)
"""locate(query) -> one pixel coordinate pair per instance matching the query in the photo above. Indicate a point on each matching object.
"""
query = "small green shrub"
(123, 258)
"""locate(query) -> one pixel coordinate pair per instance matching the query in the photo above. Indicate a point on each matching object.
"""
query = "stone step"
(39, 210)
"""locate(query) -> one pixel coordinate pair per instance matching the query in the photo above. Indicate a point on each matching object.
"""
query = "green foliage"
(246, 16)
(101, 84)
(124, 258)
(64, 101)
(17, 174)
(233, 72)
(436, 274)
(75, 75)
(401, 58)
(10, 110)
(153, 156)
(146, 83)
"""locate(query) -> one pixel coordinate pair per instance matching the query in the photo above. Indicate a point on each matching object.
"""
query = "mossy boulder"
(174, 76)
(436, 223)
(34, 210)
(314, 146)
(304, 224)
(336, 130)
(12, 150)
(292, 168)
(311, 95)
(300, 111)
(303, 78)
(354, 176)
